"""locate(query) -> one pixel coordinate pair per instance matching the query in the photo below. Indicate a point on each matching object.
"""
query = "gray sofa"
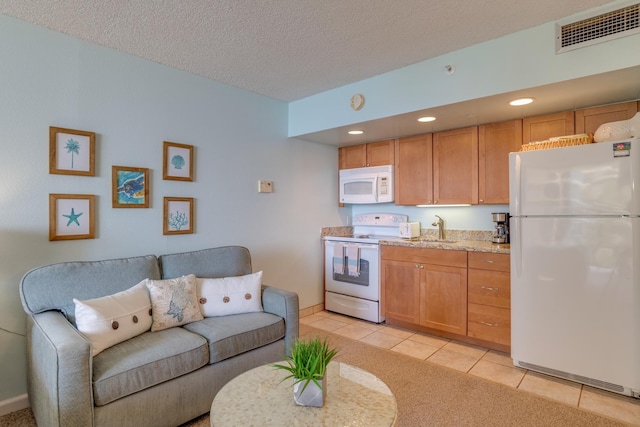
(162, 378)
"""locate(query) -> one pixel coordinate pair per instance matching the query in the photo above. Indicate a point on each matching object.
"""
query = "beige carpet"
(431, 395)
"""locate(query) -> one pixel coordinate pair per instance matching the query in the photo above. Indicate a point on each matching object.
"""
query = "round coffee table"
(259, 397)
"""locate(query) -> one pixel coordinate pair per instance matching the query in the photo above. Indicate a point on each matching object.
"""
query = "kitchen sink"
(438, 241)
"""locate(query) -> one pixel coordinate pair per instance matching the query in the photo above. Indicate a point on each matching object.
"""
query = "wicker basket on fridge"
(559, 141)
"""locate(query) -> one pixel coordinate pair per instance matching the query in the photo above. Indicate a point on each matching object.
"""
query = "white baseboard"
(14, 404)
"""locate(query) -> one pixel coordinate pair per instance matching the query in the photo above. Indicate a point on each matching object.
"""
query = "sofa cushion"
(174, 302)
(225, 261)
(230, 295)
(231, 335)
(53, 287)
(109, 320)
(144, 361)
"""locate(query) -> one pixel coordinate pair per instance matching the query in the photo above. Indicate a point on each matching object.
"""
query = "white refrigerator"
(575, 263)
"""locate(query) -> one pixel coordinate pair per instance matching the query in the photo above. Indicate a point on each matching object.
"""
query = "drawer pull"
(489, 261)
(489, 324)
(487, 288)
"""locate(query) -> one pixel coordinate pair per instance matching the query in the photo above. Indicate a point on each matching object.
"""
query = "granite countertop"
(459, 245)
(459, 240)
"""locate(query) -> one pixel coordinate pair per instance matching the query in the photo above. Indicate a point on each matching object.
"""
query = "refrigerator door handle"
(516, 246)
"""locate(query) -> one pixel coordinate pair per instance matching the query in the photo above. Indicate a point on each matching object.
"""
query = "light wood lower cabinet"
(461, 295)
(426, 287)
(489, 297)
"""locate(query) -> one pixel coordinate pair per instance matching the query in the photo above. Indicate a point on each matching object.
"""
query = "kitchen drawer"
(444, 257)
(489, 288)
(489, 261)
(489, 323)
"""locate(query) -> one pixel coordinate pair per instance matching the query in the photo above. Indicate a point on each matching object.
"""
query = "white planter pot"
(312, 395)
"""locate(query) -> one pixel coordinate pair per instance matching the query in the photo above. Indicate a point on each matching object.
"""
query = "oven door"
(366, 285)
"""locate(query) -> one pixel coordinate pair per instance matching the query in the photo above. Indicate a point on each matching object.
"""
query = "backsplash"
(482, 235)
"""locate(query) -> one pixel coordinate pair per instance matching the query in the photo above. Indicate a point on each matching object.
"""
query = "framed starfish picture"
(71, 216)
(177, 161)
(71, 152)
(130, 187)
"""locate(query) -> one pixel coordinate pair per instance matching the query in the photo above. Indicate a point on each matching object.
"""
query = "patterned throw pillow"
(174, 302)
(230, 295)
(110, 320)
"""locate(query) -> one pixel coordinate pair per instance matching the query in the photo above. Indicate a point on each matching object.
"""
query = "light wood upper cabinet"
(495, 142)
(455, 166)
(414, 170)
(589, 119)
(540, 128)
(363, 155)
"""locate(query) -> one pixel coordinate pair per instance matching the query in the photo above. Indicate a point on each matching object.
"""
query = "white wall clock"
(357, 101)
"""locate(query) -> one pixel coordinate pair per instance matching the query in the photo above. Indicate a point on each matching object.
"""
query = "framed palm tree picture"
(71, 152)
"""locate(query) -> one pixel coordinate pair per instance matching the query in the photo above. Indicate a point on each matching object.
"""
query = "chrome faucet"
(440, 224)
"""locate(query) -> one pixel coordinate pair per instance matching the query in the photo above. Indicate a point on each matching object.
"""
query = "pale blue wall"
(517, 61)
(50, 79)
(456, 217)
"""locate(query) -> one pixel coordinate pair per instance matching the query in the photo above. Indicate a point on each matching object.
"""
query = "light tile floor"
(478, 361)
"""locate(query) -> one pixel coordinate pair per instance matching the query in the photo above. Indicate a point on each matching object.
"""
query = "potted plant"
(307, 365)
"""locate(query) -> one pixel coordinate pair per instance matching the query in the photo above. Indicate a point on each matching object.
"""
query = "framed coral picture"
(71, 216)
(177, 161)
(130, 187)
(71, 152)
(178, 215)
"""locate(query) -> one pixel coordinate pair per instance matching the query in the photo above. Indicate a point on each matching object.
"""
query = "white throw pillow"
(230, 295)
(110, 320)
(174, 302)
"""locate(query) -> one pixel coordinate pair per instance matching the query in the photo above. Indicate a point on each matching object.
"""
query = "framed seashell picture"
(177, 161)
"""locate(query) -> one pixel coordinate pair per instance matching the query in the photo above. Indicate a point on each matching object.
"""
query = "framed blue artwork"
(130, 187)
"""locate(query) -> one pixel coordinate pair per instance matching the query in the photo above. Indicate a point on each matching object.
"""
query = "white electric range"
(352, 266)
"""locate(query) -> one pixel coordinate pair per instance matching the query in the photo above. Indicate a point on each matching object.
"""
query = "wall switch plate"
(265, 186)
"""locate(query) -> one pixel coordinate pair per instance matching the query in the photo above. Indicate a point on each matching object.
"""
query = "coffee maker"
(502, 227)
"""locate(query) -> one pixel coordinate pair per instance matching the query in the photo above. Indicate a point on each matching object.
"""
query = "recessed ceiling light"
(356, 132)
(521, 101)
(426, 119)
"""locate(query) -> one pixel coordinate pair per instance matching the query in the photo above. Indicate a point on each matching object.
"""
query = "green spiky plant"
(308, 361)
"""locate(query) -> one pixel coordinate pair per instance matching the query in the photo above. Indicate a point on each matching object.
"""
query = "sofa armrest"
(284, 304)
(59, 364)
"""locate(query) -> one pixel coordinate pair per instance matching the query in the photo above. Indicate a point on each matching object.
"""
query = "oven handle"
(360, 245)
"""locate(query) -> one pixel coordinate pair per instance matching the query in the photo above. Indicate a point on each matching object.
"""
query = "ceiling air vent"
(597, 29)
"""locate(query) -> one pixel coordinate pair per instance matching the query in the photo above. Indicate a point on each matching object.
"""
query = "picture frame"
(177, 161)
(71, 216)
(177, 215)
(130, 187)
(71, 152)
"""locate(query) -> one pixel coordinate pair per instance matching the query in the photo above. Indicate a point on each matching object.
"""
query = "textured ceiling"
(290, 49)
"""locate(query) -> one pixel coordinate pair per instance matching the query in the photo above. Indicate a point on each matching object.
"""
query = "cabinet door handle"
(489, 324)
(488, 288)
(489, 261)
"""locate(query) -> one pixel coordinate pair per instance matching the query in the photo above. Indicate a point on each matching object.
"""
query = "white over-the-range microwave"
(367, 185)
